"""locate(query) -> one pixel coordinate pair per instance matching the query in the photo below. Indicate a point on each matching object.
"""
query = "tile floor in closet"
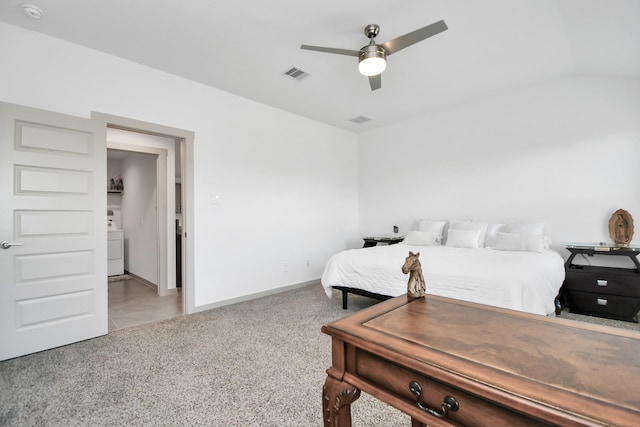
(132, 303)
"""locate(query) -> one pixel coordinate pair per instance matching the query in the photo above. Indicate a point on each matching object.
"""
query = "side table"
(603, 291)
(373, 241)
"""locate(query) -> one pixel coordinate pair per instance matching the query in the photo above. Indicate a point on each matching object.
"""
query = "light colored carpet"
(566, 314)
(256, 363)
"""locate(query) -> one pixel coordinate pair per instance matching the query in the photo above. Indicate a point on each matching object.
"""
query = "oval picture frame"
(621, 227)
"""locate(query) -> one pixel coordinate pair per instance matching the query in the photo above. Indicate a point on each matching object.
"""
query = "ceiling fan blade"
(375, 82)
(392, 46)
(347, 52)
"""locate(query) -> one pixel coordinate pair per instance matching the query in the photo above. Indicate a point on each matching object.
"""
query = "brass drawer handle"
(449, 404)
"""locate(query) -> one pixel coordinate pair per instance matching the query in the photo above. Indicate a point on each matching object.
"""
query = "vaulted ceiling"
(244, 47)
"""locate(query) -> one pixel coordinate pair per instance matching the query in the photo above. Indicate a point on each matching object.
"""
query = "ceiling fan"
(372, 58)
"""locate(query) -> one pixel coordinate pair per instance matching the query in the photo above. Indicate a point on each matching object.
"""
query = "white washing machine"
(115, 249)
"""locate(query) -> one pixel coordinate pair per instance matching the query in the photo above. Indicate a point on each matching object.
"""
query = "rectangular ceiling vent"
(360, 119)
(296, 74)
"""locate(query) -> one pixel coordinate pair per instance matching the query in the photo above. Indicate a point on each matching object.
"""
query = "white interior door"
(53, 262)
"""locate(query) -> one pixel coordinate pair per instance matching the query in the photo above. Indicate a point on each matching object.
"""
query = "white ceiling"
(243, 47)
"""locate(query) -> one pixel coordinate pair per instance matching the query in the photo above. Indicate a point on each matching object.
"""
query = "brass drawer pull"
(449, 404)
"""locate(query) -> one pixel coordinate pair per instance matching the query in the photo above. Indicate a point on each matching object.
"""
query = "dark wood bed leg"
(346, 291)
(558, 303)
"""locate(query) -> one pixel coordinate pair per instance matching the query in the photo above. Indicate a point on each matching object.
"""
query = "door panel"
(38, 312)
(55, 266)
(53, 192)
(50, 139)
(41, 181)
(43, 223)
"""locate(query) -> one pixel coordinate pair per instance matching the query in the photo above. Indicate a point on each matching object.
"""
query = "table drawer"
(606, 305)
(601, 282)
(472, 411)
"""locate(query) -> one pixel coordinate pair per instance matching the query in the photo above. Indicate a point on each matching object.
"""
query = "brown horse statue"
(416, 287)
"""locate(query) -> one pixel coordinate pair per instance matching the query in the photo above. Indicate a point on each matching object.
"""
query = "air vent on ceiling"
(296, 74)
(360, 119)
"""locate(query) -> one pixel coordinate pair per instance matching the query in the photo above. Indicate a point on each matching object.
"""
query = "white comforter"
(524, 281)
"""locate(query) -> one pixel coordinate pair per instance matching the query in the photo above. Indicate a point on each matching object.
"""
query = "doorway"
(134, 289)
(175, 157)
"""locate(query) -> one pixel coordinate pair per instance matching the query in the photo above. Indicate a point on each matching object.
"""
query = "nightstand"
(610, 292)
(373, 241)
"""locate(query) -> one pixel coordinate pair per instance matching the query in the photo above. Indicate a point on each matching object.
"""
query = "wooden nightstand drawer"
(603, 281)
(605, 305)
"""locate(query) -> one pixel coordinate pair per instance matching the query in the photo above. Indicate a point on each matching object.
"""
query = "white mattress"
(523, 281)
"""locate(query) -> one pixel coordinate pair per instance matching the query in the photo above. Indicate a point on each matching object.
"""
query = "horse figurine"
(416, 288)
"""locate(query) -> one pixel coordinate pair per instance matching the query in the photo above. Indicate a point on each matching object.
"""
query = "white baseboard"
(254, 296)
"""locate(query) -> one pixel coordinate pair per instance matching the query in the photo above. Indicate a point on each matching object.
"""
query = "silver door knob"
(6, 244)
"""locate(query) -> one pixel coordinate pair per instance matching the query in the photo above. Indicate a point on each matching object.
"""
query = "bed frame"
(346, 291)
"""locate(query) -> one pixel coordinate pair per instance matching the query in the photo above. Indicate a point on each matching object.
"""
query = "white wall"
(565, 153)
(140, 216)
(287, 185)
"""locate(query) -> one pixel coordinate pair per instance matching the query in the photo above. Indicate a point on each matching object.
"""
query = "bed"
(513, 270)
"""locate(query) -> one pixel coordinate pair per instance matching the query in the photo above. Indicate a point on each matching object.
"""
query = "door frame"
(186, 138)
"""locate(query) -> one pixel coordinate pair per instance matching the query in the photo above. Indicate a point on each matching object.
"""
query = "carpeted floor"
(566, 314)
(256, 363)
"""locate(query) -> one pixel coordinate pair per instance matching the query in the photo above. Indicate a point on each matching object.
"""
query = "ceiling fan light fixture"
(372, 60)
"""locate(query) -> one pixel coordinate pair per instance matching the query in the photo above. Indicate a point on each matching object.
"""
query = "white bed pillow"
(463, 238)
(421, 238)
(469, 225)
(490, 235)
(523, 228)
(521, 242)
(432, 227)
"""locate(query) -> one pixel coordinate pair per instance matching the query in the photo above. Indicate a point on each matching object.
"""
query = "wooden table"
(475, 365)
